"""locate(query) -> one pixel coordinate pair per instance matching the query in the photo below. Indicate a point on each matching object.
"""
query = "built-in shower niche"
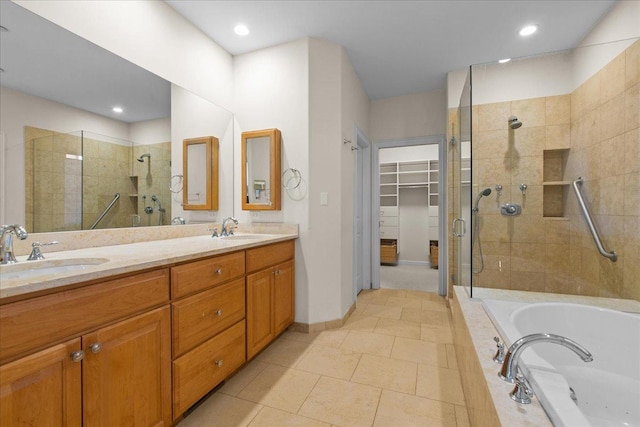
(555, 188)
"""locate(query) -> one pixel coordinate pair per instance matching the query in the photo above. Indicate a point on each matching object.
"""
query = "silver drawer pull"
(95, 348)
(218, 271)
(218, 312)
(77, 356)
(219, 363)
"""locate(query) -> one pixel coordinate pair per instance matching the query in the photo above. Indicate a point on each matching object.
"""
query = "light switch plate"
(324, 199)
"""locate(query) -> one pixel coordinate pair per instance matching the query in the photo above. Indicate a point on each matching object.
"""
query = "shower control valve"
(511, 209)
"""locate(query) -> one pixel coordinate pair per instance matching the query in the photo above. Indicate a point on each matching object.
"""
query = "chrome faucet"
(509, 371)
(225, 231)
(6, 242)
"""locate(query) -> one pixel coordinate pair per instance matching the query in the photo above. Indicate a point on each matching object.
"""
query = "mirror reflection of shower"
(161, 210)
(476, 229)
(141, 158)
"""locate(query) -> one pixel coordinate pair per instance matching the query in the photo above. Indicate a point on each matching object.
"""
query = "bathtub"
(606, 392)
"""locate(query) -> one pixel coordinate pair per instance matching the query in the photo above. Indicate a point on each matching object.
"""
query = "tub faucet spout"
(510, 366)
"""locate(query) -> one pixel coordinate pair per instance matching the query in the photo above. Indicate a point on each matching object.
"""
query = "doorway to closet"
(407, 204)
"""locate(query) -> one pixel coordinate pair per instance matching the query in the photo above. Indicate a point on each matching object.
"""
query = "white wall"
(271, 90)
(150, 34)
(422, 114)
(18, 110)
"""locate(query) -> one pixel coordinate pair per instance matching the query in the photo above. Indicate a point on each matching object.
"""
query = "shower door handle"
(454, 230)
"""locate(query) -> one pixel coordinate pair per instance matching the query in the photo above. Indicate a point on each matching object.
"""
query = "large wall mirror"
(261, 170)
(69, 153)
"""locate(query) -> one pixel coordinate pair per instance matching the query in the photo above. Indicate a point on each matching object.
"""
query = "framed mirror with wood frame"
(200, 169)
(261, 170)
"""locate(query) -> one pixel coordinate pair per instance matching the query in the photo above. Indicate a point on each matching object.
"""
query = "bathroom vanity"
(138, 342)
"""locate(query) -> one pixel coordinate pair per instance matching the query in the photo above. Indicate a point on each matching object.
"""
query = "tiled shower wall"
(152, 178)
(592, 132)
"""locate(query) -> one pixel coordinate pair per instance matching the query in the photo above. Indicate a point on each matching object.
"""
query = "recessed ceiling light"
(117, 109)
(241, 30)
(504, 61)
(528, 30)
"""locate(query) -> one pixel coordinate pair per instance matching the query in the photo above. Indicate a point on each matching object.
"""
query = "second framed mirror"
(261, 170)
(200, 168)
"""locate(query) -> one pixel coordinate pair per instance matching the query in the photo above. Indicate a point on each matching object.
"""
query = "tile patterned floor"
(392, 364)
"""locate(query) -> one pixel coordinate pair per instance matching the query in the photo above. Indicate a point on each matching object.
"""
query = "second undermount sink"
(30, 269)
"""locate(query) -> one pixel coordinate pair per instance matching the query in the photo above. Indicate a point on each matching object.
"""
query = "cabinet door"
(283, 296)
(42, 389)
(260, 328)
(127, 378)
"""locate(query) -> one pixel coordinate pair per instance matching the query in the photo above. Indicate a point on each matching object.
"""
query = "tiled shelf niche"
(555, 188)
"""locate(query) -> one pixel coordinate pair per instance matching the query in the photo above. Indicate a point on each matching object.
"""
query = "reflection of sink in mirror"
(247, 236)
(29, 269)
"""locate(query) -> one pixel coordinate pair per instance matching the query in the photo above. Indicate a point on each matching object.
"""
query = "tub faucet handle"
(522, 392)
(499, 356)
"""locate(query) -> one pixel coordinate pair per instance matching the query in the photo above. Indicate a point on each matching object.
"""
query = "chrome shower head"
(484, 193)
(141, 158)
(514, 123)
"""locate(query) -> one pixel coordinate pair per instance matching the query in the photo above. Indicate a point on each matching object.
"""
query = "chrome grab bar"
(107, 209)
(587, 217)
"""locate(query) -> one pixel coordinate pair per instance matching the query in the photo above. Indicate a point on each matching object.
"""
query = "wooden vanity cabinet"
(115, 371)
(270, 294)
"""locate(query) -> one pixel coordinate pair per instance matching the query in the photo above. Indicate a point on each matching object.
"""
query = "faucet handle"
(499, 356)
(215, 232)
(522, 392)
(36, 253)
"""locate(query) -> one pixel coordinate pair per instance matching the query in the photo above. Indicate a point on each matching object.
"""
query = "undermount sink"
(30, 269)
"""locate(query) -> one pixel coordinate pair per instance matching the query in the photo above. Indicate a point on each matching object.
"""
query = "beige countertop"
(125, 258)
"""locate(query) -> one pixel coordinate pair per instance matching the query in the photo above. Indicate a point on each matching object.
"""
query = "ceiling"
(402, 47)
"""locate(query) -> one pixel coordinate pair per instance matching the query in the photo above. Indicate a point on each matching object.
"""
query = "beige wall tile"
(557, 110)
(491, 144)
(493, 116)
(612, 82)
(557, 137)
(632, 107)
(528, 228)
(342, 403)
(528, 281)
(632, 65)
(527, 141)
(612, 116)
(397, 409)
(592, 98)
(528, 170)
(532, 112)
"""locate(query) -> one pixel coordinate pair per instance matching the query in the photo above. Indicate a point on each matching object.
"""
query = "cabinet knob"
(219, 363)
(77, 356)
(218, 312)
(95, 348)
(218, 271)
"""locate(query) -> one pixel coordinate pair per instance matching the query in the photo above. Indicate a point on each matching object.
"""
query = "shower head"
(141, 158)
(484, 193)
(514, 123)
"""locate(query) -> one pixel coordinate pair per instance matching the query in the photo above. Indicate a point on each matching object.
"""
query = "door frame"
(362, 167)
(442, 203)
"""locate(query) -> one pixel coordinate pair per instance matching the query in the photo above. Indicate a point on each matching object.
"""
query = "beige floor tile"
(451, 357)
(397, 409)
(404, 302)
(331, 337)
(284, 352)
(428, 317)
(398, 328)
(390, 374)
(243, 377)
(419, 351)
(369, 343)
(439, 384)
(329, 361)
(341, 403)
(269, 417)
(361, 323)
(280, 388)
(462, 417)
(432, 305)
(221, 410)
(382, 311)
(440, 335)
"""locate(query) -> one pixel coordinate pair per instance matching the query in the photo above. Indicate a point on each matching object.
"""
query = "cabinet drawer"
(266, 256)
(204, 367)
(388, 211)
(200, 275)
(203, 315)
(389, 221)
(388, 232)
(31, 324)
